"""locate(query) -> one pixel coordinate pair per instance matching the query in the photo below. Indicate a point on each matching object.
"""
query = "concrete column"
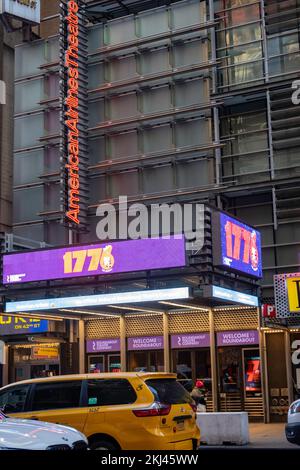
(81, 338)
(264, 375)
(167, 366)
(213, 360)
(123, 343)
(6, 366)
(288, 362)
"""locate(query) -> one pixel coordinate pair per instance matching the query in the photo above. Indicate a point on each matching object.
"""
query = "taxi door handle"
(34, 418)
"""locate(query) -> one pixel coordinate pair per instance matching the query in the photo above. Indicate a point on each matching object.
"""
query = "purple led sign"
(237, 338)
(103, 345)
(193, 340)
(145, 343)
(94, 260)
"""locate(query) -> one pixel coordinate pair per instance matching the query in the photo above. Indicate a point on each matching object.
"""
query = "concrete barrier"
(223, 428)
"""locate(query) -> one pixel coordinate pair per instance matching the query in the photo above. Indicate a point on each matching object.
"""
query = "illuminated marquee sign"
(25, 10)
(94, 260)
(118, 298)
(73, 45)
(236, 246)
(234, 296)
(18, 325)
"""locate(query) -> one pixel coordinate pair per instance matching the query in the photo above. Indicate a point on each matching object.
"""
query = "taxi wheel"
(103, 444)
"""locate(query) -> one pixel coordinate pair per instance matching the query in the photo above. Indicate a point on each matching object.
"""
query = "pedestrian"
(199, 395)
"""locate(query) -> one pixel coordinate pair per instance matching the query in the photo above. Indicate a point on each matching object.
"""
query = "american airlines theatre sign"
(73, 56)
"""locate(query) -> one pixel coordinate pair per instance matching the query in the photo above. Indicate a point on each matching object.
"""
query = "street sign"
(268, 311)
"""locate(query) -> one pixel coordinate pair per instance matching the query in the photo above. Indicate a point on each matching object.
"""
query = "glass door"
(96, 364)
(114, 363)
(252, 373)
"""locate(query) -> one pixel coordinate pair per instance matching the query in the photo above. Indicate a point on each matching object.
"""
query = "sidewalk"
(262, 436)
(269, 435)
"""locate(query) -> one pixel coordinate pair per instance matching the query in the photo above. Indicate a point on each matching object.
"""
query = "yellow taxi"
(127, 411)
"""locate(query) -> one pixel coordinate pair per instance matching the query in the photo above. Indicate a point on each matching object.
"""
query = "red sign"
(268, 311)
(71, 113)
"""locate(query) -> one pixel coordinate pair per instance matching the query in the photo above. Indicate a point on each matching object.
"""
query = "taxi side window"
(110, 392)
(56, 395)
(13, 400)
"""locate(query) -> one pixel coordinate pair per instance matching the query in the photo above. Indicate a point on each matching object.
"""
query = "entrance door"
(183, 368)
(22, 372)
(96, 364)
(146, 361)
(114, 363)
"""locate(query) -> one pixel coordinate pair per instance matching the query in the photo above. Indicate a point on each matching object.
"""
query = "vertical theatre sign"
(74, 155)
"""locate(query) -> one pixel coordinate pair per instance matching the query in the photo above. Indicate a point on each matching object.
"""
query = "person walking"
(199, 395)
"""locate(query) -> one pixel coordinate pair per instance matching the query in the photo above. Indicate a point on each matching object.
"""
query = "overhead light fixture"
(88, 312)
(37, 317)
(136, 309)
(97, 300)
(175, 304)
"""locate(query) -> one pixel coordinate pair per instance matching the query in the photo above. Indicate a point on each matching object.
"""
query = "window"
(110, 392)
(122, 68)
(190, 53)
(29, 130)
(28, 203)
(28, 167)
(153, 22)
(120, 31)
(28, 95)
(56, 395)
(187, 13)
(13, 400)
(169, 391)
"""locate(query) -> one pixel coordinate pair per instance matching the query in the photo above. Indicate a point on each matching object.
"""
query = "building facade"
(188, 101)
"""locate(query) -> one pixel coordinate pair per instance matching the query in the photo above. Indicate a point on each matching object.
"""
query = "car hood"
(35, 435)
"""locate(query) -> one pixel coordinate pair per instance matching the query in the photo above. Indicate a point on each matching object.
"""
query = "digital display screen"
(252, 375)
(20, 326)
(94, 260)
(237, 246)
(98, 300)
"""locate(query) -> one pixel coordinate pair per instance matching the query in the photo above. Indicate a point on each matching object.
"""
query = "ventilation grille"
(144, 325)
(193, 322)
(236, 320)
(254, 407)
(103, 328)
(230, 402)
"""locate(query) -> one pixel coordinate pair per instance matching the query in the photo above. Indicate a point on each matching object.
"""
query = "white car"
(23, 434)
(292, 429)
